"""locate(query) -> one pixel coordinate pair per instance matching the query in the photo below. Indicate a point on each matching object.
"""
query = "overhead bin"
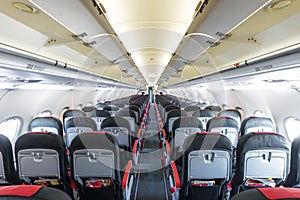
(226, 16)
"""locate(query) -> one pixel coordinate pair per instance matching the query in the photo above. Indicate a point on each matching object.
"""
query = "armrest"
(168, 149)
(135, 152)
(175, 175)
(126, 175)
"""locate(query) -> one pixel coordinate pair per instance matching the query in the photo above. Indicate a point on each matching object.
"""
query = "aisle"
(151, 183)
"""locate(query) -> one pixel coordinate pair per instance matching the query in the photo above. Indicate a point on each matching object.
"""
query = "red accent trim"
(95, 132)
(126, 174)
(280, 193)
(226, 117)
(134, 149)
(45, 133)
(168, 147)
(260, 133)
(164, 133)
(20, 190)
(175, 173)
(207, 133)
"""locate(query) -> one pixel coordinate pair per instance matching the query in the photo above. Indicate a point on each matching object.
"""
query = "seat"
(131, 117)
(137, 112)
(41, 160)
(100, 105)
(226, 126)
(293, 179)
(31, 192)
(206, 167)
(78, 125)
(166, 111)
(8, 174)
(262, 160)
(46, 124)
(190, 109)
(71, 113)
(120, 128)
(256, 124)
(269, 194)
(98, 116)
(95, 159)
(203, 116)
(233, 113)
(181, 129)
(171, 117)
(111, 109)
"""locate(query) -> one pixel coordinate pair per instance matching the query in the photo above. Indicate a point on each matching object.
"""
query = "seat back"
(31, 192)
(235, 114)
(262, 159)
(293, 179)
(95, 163)
(256, 124)
(98, 116)
(204, 116)
(130, 116)
(72, 113)
(168, 109)
(41, 159)
(120, 128)
(172, 116)
(226, 126)
(7, 169)
(46, 124)
(182, 128)
(137, 112)
(206, 167)
(191, 109)
(111, 109)
(77, 125)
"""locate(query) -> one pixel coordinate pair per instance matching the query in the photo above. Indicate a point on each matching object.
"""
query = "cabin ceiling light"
(278, 5)
(25, 8)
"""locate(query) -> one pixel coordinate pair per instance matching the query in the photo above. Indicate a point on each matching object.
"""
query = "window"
(259, 113)
(292, 127)
(10, 127)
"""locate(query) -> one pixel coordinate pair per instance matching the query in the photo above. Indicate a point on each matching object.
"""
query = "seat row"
(201, 163)
(97, 164)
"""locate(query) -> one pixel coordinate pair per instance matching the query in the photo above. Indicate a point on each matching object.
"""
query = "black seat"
(206, 167)
(171, 117)
(226, 126)
(41, 160)
(204, 116)
(120, 128)
(98, 116)
(31, 192)
(256, 124)
(8, 174)
(191, 109)
(181, 129)
(293, 179)
(46, 124)
(262, 160)
(77, 125)
(131, 117)
(235, 114)
(95, 159)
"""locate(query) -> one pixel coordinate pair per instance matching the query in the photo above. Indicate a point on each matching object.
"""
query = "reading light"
(25, 8)
(278, 5)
